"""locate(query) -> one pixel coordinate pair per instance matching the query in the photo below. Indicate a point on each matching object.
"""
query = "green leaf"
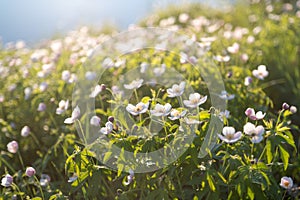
(269, 151)
(222, 177)
(210, 182)
(107, 156)
(250, 193)
(284, 155)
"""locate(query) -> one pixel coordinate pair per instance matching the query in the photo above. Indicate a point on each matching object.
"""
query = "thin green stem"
(81, 131)
(283, 195)
(21, 160)
(179, 184)
(39, 186)
(136, 96)
(261, 155)
(7, 164)
(279, 116)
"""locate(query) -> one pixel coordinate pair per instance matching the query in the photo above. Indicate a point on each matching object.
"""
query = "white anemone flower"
(229, 135)
(25, 131)
(161, 110)
(256, 133)
(226, 96)
(107, 129)
(95, 121)
(195, 100)
(176, 90)
(177, 114)
(138, 108)
(135, 84)
(286, 182)
(75, 115)
(158, 71)
(224, 115)
(261, 72)
(62, 107)
(96, 91)
(90, 75)
(190, 121)
(27, 92)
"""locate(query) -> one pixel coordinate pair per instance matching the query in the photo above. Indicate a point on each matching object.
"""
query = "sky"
(36, 20)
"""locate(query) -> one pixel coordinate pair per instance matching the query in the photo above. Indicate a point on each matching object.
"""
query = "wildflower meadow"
(193, 102)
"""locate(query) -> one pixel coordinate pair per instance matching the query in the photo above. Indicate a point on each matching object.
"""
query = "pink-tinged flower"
(234, 48)
(135, 84)
(25, 131)
(30, 171)
(7, 180)
(176, 90)
(293, 109)
(261, 72)
(12, 147)
(161, 110)
(95, 121)
(130, 177)
(195, 100)
(285, 106)
(62, 107)
(2, 98)
(107, 129)
(226, 96)
(177, 114)
(250, 112)
(256, 133)
(229, 135)
(75, 115)
(244, 57)
(45, 180)
(43, 86)
(286, 182)
(42, 107)
(138, 108)
(248, 81)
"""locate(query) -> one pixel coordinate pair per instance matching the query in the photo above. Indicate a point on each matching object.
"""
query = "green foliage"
(243, 169)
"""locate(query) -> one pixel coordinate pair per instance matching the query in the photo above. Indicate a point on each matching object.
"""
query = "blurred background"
(34, 21)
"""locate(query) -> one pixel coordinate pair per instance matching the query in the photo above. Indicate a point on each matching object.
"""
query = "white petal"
(257, 139)
(69, 120)
(202, 100)
(260, 115)
(249, 128)
(260, 130)
(228, 130)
